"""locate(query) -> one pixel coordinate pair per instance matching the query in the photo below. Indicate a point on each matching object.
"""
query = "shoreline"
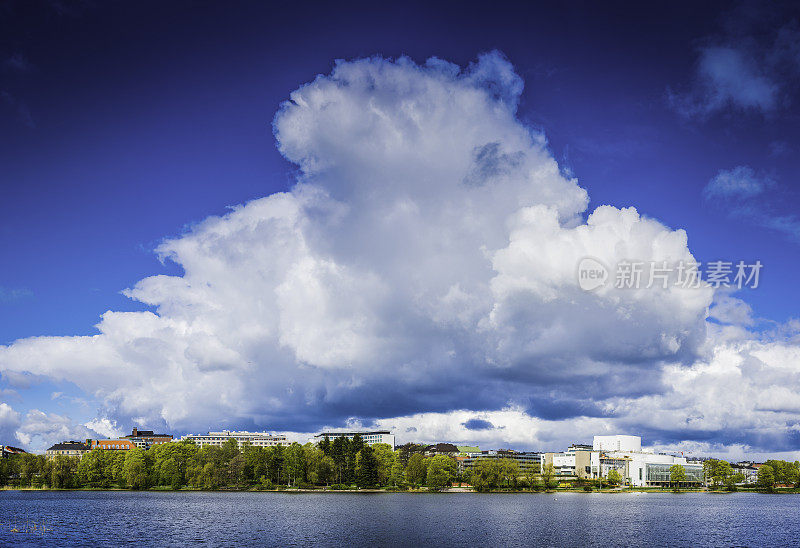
(451, 491)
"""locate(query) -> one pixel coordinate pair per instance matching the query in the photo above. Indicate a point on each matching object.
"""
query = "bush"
(587, 488)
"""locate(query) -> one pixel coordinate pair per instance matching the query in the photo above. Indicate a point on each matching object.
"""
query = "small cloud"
(743, 192)
(8, 295)
(779, 148)
(744, 70)
(740, 182)
(477, 424)
(17, 62)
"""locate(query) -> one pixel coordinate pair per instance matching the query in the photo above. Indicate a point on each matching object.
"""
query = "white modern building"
(638, 467)
(255, 439)
(370, 438)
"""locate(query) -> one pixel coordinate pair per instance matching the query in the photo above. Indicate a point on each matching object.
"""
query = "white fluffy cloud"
(9, 422)
(424, 262)
(39, 430)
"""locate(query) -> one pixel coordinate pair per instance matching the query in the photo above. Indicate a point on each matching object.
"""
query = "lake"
(120, 518)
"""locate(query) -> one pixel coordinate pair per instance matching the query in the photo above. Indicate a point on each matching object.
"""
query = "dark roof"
(442, 448)
(351, 433)
(10, 449)
(69, 446)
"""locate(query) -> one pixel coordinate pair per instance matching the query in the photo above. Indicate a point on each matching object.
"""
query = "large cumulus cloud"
(423, 262)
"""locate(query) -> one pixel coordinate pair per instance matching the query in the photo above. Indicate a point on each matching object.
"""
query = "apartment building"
(255, 439)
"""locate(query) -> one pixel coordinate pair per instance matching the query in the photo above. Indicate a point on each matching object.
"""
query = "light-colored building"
(624, 454)
(370, 438)
(255, 439)
(527, 461)
(67, 449)
(147, 438)
(748, 469)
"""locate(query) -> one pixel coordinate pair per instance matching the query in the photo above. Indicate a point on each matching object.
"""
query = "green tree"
(508, 472)
(677, 475)
(90, 469)
(441, 471)
(170, 473)
(614, 477)
(386, 459)
(416, 470)
(339, 451)
(548, 474)
(732, 480)
(766, 477)
(135, 469)
(367, 470)
(294, 463)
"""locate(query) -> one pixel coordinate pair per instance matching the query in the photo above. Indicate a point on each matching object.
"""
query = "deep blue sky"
(123, 122)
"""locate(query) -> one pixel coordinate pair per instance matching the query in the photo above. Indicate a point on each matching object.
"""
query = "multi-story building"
(118, 444)
(370, 438)
(255, 439)
(527, 461)
(748, 469)
(625, 455)
(146, 438)
(67, 449)
(446, 449)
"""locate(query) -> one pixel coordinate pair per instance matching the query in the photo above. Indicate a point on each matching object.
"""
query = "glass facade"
(660, 473)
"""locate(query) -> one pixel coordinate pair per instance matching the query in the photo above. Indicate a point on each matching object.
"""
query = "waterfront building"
(748, 469)
(67, 449)
(255, 439)
(447, 449)
(528, 461)
(624, 454)
(117, 444)
(146, 438)
(369, 437)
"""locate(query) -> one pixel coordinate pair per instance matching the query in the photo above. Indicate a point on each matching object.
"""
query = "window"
(640, 474)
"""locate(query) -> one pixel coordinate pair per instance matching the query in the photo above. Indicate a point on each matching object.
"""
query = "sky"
(289, 217)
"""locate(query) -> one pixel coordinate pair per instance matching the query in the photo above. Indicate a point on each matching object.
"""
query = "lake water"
(398, 519)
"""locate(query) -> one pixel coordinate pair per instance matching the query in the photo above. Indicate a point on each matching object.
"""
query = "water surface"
(123, 518)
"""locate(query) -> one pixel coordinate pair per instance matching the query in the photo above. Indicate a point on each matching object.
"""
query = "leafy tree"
(766, 477)
(548, 474)
(717, 471)
(386, 458)
(294, 463)
(135, 469)
(732, 480)
(325, 446)
(441, 471)
(508, 472)
(170, 473)
(326, 470)
(339, 451)
(614, 477)
(367, 472)
(416, 469)
(677, 475)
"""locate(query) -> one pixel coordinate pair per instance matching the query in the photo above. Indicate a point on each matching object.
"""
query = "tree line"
(340, 463)
(719, 473)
